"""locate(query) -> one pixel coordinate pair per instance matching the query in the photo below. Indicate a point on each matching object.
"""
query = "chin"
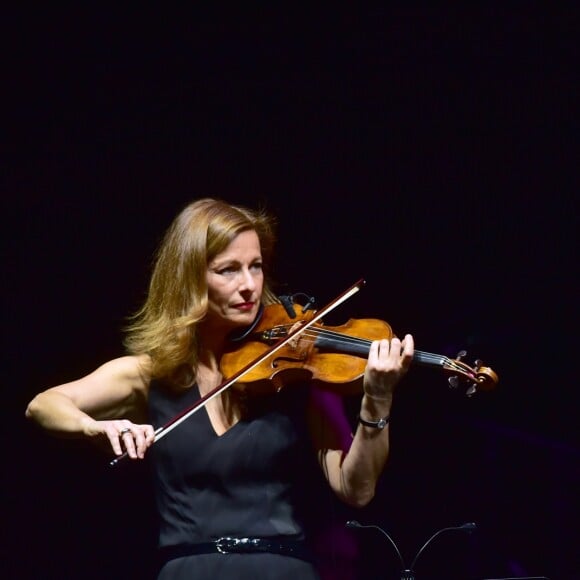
(240, 319)
(246, 318)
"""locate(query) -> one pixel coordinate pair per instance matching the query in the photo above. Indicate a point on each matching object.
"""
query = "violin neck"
(429, 359)
(334, 342)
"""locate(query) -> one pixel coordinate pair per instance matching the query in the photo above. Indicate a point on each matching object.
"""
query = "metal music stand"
(407, 573)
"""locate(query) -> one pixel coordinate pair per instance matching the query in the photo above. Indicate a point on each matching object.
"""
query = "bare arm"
(353, 470)
(98, 405)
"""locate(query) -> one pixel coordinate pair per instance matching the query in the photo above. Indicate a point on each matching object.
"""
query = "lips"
(244, 306)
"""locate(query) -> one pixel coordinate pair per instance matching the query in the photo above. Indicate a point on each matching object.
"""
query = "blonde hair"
(165, 326)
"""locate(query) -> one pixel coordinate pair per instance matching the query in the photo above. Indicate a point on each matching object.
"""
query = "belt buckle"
(228, 545)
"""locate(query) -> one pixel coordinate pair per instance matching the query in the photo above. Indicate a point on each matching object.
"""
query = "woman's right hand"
(123, 435)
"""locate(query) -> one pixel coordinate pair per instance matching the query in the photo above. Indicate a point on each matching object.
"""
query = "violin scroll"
(476, 377)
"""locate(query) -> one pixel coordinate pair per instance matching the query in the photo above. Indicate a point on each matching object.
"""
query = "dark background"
(426, 148)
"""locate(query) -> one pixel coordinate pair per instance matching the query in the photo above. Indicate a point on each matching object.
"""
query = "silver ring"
(123, 431)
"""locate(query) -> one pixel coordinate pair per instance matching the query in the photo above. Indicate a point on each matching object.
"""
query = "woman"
(228, 480)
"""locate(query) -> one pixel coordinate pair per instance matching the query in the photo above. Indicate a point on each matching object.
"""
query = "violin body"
(330, 357)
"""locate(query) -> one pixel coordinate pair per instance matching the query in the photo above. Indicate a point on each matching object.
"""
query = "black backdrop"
(426, 149)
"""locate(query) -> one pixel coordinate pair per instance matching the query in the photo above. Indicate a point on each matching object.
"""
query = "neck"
(211, 342)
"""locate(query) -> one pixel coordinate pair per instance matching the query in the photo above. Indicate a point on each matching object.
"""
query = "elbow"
(364, 499)
(33, 409)
(360, 498)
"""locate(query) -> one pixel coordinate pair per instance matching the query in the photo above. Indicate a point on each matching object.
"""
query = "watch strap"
(380, 424)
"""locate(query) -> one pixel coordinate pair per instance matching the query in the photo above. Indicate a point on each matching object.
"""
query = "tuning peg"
(453, 382)
(477, 364)
(461, 354)
(471, 391)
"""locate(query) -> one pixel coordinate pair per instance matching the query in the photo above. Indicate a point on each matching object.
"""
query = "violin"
(277, 349)
(330, 357)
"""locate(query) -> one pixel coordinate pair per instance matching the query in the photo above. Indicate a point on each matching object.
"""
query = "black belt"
(228, 545)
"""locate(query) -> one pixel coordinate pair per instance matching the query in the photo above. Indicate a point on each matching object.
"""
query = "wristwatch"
(380, 424)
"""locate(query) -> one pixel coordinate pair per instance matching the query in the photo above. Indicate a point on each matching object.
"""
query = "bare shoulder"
(133, 370)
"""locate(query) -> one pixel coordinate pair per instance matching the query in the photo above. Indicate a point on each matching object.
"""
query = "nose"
(248, 282)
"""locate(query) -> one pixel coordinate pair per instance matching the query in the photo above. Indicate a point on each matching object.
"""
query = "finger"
(143, 438)
(139, 441)
(408, 344)
(115, 444)
(128, 441)
(379, 354)
(146, 436)
(112, 429)
(395, 348)
(389, 353)
(408, 350)
(149, 435)
(374, 351)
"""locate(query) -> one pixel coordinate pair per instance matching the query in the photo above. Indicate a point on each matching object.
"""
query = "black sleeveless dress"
(249, 482)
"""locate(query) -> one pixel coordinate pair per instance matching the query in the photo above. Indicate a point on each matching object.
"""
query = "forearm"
(365, 460)
(58, 414)
(363, 464)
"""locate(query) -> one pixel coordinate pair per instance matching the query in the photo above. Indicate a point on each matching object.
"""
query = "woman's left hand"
(388, 361)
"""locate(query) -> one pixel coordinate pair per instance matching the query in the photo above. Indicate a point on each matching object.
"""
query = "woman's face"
(234, 281)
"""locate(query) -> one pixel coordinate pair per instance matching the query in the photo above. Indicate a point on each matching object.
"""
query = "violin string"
(312, 334)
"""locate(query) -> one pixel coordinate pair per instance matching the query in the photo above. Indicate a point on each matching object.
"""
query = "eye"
(257, 266)
(227, 270)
